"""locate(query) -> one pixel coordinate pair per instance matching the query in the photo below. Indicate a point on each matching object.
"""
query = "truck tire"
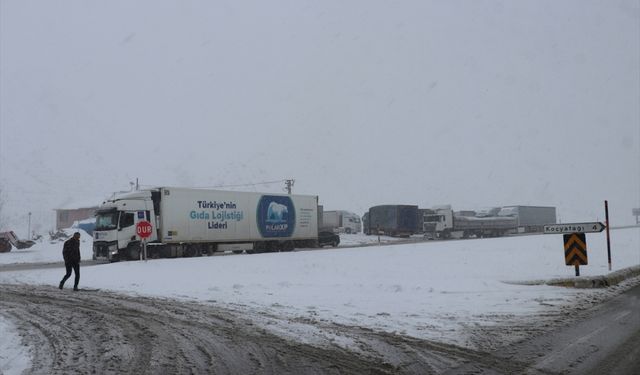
(287, 246)
(192, 251)
(133, 251)
(446, 234)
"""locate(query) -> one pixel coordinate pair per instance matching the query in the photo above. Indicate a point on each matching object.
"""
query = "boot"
(61, 285)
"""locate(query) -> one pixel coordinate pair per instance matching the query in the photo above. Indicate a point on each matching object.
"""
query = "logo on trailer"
(276, 216)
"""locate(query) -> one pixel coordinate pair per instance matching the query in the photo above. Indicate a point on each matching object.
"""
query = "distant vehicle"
(391, 220)
(192, 222)
(9, 239)
(443, 223)
(530, 219)
(87, 225)
(488, 212)
(327, 238)
(341, 222)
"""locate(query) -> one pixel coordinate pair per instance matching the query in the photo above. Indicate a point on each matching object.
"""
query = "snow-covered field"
(432, 290)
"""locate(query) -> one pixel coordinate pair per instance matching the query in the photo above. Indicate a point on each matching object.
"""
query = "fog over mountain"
(468, 103)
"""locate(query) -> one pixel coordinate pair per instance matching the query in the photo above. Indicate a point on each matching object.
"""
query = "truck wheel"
(189, 252)
(287, 246)
(446, 234)
(133, 252)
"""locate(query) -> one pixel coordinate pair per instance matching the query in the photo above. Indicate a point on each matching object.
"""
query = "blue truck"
(395, 220)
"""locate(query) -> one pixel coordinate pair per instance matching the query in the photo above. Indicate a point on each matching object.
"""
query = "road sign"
(575, 249)
(143, 229)
(594, 227)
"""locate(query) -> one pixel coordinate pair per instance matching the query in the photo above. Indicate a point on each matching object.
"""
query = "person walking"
(71, 254)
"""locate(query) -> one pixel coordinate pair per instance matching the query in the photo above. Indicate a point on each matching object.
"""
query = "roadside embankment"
(601, 281)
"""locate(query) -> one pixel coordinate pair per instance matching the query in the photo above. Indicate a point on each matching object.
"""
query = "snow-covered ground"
(14, 358)
(432, 290)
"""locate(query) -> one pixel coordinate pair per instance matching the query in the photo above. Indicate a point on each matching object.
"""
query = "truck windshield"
(107, 220)
(433, 218)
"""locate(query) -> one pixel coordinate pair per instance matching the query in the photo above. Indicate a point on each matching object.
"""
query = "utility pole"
(289, 185)
(29, 229)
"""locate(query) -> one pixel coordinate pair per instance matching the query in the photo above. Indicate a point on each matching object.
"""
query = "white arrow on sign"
(574, 228)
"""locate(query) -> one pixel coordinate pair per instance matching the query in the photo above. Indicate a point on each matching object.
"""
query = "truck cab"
(351, 222)
(438, 222)
(114, 237)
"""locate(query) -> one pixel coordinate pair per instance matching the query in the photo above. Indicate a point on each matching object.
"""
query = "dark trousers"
(76, 269)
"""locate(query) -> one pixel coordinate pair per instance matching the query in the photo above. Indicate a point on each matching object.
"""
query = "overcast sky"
(469, 103)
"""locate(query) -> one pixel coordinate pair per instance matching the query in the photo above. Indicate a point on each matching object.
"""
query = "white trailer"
(341, 221)
(191, 222)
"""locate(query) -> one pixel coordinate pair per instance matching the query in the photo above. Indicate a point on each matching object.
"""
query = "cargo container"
(530, 219)
(392, 220)
(191, 222)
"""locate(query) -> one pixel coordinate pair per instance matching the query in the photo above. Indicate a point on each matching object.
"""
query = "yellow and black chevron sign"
(575, 249)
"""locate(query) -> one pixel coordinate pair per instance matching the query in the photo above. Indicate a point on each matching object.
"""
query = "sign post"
(575, 250)
(606, 214)
(144, 230)
(575, 241)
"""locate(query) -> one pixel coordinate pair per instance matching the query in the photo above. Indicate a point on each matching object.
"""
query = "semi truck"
(341, 222)
(443, 222)
(391, 220)
(193, 222)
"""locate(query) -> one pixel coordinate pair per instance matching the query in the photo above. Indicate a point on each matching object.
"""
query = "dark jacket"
(71, 251)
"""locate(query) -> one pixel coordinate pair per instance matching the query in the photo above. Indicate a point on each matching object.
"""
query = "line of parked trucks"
(192, 222)
(443, 222)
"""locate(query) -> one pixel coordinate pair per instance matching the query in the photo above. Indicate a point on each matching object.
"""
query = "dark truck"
(391, 220)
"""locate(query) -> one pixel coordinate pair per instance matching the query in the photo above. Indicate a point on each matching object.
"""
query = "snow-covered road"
(450, 292)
